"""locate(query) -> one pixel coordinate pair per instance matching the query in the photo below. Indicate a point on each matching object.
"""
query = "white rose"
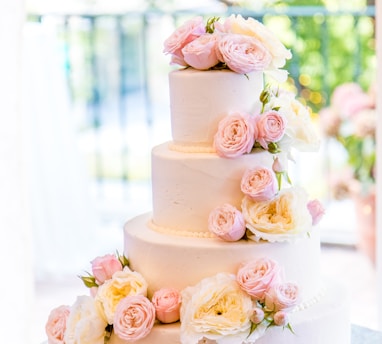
(283, 218)
(85, 324)
(123, 283)
(215, 309)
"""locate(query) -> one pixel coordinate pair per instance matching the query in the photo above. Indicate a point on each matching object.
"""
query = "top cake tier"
(200, 99)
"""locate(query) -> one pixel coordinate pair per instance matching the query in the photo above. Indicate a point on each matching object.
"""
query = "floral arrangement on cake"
(351, 120)
(241, 45)
(268, 212)
(225, 308)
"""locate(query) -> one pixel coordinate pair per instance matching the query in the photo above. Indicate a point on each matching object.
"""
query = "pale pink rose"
(104, 267)
(257, 277)
(134, 318)
(281, 318)
(282, 296)
(243, 54)
(257, 316)
(227, 223)
(330, 121)
(259, 184)
(254, 28)
(270, 127)
(201, 52)
(277, 166)
(349, 98)
(167, 303)
(316, 210)
(56, 325)
(185, 34)
(365, 123)
(235, 136)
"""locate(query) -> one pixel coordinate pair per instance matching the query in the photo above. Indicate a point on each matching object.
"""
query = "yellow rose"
(215, 308)
(123, 283)
(279, 219)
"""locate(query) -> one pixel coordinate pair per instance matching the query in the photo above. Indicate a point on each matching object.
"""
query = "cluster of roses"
(267, 213)
(241, 45)
(118, 303)
(240, 307)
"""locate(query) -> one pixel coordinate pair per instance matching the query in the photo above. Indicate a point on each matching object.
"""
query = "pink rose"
(201, 52)
(257, 316)
(56, 325)
(349, 98)
(134, 318)
(185, 34)
(281, 318)
(282, 296)
(270, 127)
(330, 121)
(104, 267)
(227, 223)
(316, 210)
(167, 305)
(256, 277)
(259, 184)
(243, 54)
(235, 135)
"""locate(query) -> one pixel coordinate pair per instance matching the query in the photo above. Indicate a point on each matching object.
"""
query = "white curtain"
(16, 296)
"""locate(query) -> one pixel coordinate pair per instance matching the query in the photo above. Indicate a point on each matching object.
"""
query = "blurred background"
(95, 101)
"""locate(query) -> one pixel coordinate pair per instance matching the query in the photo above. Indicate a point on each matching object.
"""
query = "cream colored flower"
(282, 218)
(123, 283)
(85, 324)
(215, 309)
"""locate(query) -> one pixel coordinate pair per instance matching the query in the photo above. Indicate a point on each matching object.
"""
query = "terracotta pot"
(366, 228)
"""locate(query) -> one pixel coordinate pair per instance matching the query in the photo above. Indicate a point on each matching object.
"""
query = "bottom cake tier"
(324, 322)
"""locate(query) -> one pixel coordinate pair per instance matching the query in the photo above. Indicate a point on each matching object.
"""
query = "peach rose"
(167, 305)
(185, 34)
(104, 267)
(316, 210)
(227, 223)
(270, 128)
(201, 52)
(134, 318)
(282, 296)
(281, 318)
(56, 325)
(235, 135)
(259, 184)
(256, 277)
(243, 54)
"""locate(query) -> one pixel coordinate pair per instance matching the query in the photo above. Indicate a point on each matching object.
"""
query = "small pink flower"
(134, 318)
(259, 184)
(243, 54)
(167, 305)
(185, 34)
(201, 52)
(104, 267)
(277, 166)
(282, 296)
(56, 325)
(257, 277)
(270, 128)
(235, 135)
(316, 210)
(257, 316)
(227, 223)
(281, 318)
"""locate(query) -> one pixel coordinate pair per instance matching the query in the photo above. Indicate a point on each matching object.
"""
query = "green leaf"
(89, 281)
(210, 27)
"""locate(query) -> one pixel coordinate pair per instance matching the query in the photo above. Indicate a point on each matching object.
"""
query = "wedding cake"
(229, 253)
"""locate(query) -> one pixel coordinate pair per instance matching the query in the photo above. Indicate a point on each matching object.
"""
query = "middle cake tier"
(179, 261)
(186, 187)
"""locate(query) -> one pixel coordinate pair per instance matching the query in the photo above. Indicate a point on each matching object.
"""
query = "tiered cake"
(229, 253)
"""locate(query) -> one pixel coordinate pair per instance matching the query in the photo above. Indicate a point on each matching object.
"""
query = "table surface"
(362, 335)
